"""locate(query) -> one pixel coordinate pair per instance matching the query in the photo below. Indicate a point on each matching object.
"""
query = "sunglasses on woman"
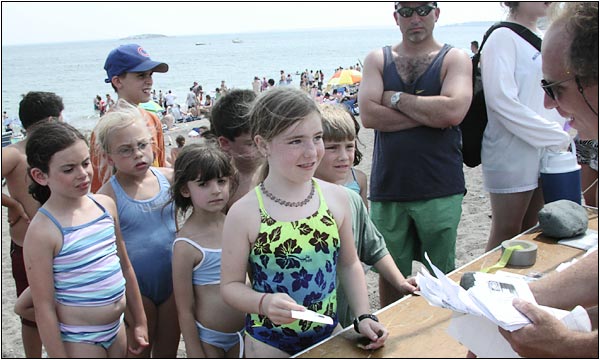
(422, 10)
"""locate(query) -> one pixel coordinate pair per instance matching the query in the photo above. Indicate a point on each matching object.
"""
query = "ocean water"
(75, 70)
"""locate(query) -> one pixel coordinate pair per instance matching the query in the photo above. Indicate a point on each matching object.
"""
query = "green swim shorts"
(412, 228)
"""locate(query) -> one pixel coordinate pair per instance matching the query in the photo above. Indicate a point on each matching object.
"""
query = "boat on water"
(236, 41)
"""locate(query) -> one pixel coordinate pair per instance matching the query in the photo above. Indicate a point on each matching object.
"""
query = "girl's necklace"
(287, 203)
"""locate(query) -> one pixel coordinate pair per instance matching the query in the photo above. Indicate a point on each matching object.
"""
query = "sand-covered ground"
(472, 237)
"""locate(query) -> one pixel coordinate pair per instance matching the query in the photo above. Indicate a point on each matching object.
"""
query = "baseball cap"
(130, 58)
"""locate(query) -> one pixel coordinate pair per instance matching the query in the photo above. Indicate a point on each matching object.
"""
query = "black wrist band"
(361, 318)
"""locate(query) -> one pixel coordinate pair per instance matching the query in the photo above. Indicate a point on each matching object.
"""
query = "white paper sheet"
(486, 306)
(312, 316)
(491, 296)
(585, 241)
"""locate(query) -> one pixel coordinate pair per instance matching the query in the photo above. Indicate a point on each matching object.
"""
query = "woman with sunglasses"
(519, 128)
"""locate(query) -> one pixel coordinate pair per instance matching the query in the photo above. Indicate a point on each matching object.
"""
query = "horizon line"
(226, 33)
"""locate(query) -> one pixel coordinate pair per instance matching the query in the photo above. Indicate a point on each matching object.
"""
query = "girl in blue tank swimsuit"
(147, 218)
(291, 235)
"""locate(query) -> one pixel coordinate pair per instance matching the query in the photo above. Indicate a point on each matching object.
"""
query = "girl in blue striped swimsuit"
(80, 277)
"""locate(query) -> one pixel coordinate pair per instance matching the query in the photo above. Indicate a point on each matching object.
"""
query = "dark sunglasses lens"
(406, 12)
(424, 10)
(547, 89)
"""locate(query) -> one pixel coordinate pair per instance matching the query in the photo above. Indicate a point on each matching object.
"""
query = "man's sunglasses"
(547, 86)
(548, 89)
(422, 10)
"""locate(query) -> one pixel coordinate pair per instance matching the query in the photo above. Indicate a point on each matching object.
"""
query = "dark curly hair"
(46, 139)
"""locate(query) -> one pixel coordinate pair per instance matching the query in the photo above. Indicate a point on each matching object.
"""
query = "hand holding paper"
(487, 305)
(546, 333)
(491, 296)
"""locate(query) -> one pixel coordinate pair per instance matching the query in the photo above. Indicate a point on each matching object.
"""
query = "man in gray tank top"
(414, 95)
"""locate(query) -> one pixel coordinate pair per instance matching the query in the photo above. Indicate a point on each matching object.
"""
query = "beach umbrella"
(151, 106)
(345, 77)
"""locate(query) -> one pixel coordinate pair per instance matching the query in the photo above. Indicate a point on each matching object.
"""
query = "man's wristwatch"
(361, 318)
(395, 99)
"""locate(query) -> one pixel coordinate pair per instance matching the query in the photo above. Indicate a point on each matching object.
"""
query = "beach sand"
(472, 236)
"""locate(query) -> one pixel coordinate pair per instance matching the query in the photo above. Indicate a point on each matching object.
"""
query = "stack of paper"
(485, 306)
(491, 296)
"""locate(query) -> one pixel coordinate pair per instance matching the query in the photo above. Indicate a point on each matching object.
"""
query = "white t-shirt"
(190, 101)
(519, 127)
(170, 99)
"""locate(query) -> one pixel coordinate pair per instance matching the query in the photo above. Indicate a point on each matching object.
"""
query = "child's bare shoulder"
(335, 196)
(12, 156)
(246, 203)
(183, 247)
(244, 214)
(167, 172)
(107, 190)
(360, 174)
(105, 201)
(43, 231)
(331, 189)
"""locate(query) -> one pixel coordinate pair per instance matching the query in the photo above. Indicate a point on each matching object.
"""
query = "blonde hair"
(123, 115)
(337, 123)
(340, 125)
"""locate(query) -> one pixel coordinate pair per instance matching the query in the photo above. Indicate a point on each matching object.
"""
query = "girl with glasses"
(141, 193)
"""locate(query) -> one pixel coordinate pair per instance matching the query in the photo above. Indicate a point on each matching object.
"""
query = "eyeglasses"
(422, 10)
(548, 90)
(547, 86)
(128, 151)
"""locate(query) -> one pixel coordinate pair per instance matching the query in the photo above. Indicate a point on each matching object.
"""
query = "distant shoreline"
(143, 36)
(237, 34)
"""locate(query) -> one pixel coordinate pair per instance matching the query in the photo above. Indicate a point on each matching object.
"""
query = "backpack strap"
(518, 29)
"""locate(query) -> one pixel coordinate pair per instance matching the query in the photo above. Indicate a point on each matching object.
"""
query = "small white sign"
(312, 316)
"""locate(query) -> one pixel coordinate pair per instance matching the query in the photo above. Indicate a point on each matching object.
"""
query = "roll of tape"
(521, 257)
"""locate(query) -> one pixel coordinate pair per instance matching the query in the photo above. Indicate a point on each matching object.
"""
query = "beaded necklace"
(287, 203)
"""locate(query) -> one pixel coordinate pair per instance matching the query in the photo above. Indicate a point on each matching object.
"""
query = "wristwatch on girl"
(361, 318)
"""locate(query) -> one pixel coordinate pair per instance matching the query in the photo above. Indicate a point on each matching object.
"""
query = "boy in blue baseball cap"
(129, 70)
(131, 58)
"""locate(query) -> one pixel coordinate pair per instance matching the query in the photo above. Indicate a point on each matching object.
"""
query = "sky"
(48, 22)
